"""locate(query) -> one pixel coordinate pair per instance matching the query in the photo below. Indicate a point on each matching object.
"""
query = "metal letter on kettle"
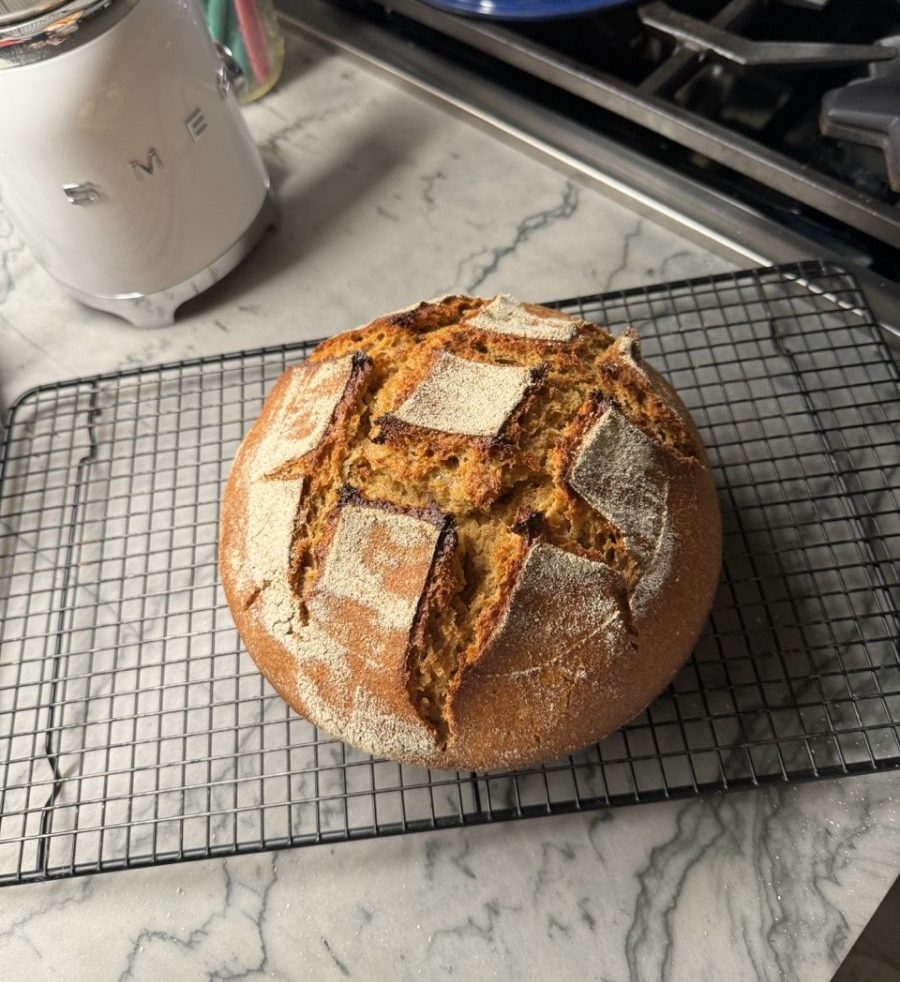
(81, 194)
(196, 124)
(142, 170)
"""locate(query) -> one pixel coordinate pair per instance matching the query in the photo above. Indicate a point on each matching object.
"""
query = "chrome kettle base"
(158, 309)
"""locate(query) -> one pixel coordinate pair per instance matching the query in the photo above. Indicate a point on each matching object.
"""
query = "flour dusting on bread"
(504, 315)
(469, 397)
(562, 603)
(306, 404)
(656, 569)
(627, 346)
(365, 721)
(362, 610)
(378, 560)
(619, 471)
(271, 513)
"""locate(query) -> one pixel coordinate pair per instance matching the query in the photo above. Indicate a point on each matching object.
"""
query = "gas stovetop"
(716, 61)
(790, 106)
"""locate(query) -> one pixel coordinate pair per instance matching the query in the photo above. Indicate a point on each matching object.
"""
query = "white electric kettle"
(124, 159)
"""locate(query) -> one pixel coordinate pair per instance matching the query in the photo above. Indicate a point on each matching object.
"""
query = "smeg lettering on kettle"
(169, 190)
(88, 193)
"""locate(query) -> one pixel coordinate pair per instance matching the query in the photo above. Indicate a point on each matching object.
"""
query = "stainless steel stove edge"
(722, 224)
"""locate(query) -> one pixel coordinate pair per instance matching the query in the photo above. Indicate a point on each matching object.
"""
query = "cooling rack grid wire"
(135, 730)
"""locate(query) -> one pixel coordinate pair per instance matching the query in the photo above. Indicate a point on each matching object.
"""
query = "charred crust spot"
(430, 315)
(531, 525)
(409, 320)
(360, 361)
(349, 495)
(390, 429)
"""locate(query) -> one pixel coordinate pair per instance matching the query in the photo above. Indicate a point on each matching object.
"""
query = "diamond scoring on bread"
(632, 494)
(473, 398)
(505, 315)
(534, 615)
(375, 569)
(305, 403)
(608, 572)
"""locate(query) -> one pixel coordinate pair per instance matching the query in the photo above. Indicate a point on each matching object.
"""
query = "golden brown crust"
(538, 614)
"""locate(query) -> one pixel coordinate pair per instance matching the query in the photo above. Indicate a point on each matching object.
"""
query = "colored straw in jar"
(235, 43)
(254, 37)
(217, 18)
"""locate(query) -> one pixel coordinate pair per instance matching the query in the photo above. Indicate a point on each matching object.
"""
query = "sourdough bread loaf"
(474, 534)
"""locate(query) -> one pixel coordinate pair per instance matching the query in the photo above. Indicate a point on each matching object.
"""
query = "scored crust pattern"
(507, 581)
(461, 396)
(362, 612)
(504, 315)
(302, 412)
(535, 615)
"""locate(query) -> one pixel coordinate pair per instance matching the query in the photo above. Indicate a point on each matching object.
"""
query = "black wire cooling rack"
(135, 730)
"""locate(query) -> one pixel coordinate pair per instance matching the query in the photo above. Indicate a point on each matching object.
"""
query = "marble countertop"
(387, 199)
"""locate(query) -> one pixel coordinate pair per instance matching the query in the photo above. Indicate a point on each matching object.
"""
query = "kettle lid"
(15, 11)
(31, 30)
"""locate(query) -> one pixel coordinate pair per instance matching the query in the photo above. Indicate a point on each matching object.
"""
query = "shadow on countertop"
(876, 955)
(313, 204)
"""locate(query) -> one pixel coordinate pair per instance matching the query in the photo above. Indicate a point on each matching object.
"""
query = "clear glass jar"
(249, 29)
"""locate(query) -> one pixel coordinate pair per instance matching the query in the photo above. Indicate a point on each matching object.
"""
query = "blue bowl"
(526, 9)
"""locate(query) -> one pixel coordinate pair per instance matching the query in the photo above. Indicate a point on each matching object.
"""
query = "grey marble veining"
(764, 885)
(387, 199)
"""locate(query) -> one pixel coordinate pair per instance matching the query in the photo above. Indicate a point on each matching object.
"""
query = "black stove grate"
(676, 82)
(134, 729)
